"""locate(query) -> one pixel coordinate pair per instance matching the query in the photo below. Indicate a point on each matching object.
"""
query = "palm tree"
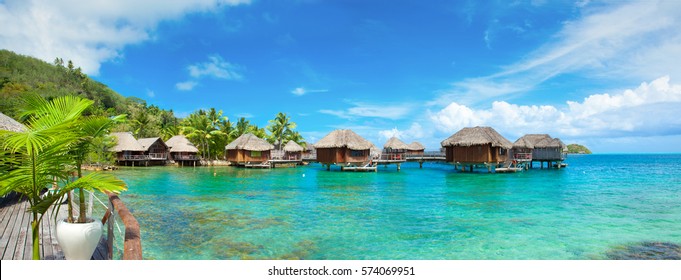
(91, 128)
(200, 128)
(196, 128)
(141, 122)
(295, 137)
(41, 153)
(259, 132)
(279, 127)
(228, 129)
(242, 127)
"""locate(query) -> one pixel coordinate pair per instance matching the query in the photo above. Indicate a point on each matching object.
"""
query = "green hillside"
(210, 130)
(578, 149)
(21, 74)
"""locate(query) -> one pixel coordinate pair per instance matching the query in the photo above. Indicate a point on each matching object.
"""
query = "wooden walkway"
(15, 239)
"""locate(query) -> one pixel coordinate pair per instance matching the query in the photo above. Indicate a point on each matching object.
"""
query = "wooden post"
(420, 164)
(489, 168)
(328, 167)
(471, 168)
(110, 231)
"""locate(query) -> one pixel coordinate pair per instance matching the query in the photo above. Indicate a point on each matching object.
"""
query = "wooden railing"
(523, 156)
(433, 154)
(134, 157)
(158, 156)
(185, 157)
(310, 156)
(132, 244)
(392, 156)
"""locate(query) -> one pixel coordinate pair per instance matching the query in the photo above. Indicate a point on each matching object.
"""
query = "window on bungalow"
(502, 151)
(255, 154)
(354, 153)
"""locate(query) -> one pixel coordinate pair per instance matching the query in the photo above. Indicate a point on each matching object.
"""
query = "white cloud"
(379, 111)
(299, 91)
(88, 32)
(647, 110)
(415, 131)
(151, 93)
(385, 111)
(631, 41)
(338, 113)
(215, 67)
(186, 86)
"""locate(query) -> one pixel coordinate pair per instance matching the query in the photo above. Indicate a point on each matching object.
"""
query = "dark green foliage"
(20, 75)
(209, 130)
(578, 149)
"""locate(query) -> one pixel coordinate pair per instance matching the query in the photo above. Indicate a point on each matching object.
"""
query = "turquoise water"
(598, 203)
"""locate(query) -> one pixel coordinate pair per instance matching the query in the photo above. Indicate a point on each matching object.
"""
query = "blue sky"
(601, 73)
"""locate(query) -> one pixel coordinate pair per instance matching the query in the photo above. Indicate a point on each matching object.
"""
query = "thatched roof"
(416, 146)
(9, 124)
(343, 138)
(126, 142)
(309, 146)
(148, 142)
(538, 141)
(556, 142)
(530, 140)
(395, 144)
(292, 146)
(249, 142)
(471, 136)
(523, 143)
(180, 144)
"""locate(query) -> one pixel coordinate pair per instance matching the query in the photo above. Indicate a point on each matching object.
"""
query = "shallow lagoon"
(599, 203)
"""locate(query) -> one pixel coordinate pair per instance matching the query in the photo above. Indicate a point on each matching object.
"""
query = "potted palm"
(41, 154)
(79, 236)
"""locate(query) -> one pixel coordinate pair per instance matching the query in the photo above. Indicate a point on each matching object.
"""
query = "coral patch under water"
(646, 251)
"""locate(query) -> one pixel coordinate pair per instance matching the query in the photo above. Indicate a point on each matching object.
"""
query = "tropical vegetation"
(210, 130)
(578, 149)
(51, 148)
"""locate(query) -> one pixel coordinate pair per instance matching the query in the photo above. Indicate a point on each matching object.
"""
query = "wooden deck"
(359, 168)
(15, 238)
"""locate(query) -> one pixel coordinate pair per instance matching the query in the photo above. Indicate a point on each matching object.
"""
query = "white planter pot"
(78, 241)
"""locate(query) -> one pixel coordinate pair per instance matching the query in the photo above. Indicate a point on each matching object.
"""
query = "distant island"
(578, 149)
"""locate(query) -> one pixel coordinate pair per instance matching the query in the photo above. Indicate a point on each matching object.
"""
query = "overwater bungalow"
(309, 151)
(155, 149)
(293, 151)
(540, 148)
(248, 149)
(473, 146)
(182, 150)
(343, 146)
(415, 148)
(524, 146)
(394, 149)
(128, 150)
(550, 150)
(9, 124)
